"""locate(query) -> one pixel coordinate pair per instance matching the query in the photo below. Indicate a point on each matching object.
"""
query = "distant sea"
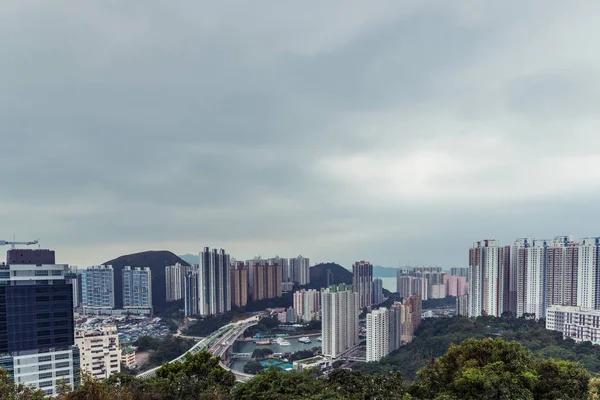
(389, 284)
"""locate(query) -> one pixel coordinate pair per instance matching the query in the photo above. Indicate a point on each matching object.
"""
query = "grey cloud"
(142, 124)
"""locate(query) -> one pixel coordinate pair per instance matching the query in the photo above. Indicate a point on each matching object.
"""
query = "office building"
(174, 281)
(574, 322)
(462, 305)
(239, 284)
(340, 308)
(307, 304)
(214, 284)
(378, 334)
(397, 318)
(459, 271)
(286, 276)
(98, 287)
(377, 291)
(37, 344)
(99, 352)
(76, 283)
(267, 281)
(588, 276)
(484, 268)
(137, 288)
(300, 270)
(362, 282)
(190, 292)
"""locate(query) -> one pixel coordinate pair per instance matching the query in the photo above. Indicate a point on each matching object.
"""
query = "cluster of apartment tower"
(98, 289)
(556, 279)
(432, 282)
(219, 283)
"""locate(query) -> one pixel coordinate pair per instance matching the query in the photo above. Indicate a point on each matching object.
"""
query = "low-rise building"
(319, 362)
(99, 351)
(128, 357)
(579, 324)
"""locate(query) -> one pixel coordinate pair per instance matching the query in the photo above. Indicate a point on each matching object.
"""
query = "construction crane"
(13, 244)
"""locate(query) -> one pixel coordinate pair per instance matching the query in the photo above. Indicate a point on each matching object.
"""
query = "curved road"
(217, 343)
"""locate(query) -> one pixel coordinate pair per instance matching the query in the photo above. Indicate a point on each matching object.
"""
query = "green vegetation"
(261, 354)
(163, 350)
(319, 272)
(253, 367)
(475, 369)
(435, 335)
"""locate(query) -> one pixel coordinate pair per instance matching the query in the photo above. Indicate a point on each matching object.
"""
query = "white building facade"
(378, 334)
(574, 322)
(340, 309)
(99, 352)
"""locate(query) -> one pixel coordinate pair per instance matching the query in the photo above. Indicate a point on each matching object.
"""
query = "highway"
(217, 343)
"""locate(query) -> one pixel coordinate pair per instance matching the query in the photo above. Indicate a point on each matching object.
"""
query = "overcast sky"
(389, 131)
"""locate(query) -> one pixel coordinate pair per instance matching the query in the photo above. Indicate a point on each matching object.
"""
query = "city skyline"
(356, 132)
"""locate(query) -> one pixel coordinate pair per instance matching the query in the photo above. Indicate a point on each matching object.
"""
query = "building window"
(45, 384)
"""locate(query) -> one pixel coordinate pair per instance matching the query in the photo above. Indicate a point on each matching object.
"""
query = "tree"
(253, 367)
(11, 391)
(259, 354)
(279, 385)
(479, 369)
(561, 380)
(93, 389)
(199, 374)
(495, 369)
(356, 385)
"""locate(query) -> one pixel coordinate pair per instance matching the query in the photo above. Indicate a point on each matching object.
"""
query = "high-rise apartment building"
(137, 288)
(300, 270)
(413, 310)
(37, 345)
(190, 292)
(404, 284)
(484, 269)
(588, 287)
(340, 308)
(456, 285)
(266, 281)
(76, 283)
(518, 255)
(397, 316)
(377, 291)
(98, 287)
(462, 305)
(459, 271)
(174, 281)
(239, 284)
(307, 304)
(99, 351)
(362, 282)
(561, 272)
(378, 334)
(535, 278)
(214, 284)
(286, 276)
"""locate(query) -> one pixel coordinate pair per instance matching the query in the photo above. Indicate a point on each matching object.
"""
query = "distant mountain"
(384, 272)
(191, 259)
(319, 272)
(156, 261)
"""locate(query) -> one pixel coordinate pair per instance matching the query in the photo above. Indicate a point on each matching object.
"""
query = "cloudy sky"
(389, 131)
